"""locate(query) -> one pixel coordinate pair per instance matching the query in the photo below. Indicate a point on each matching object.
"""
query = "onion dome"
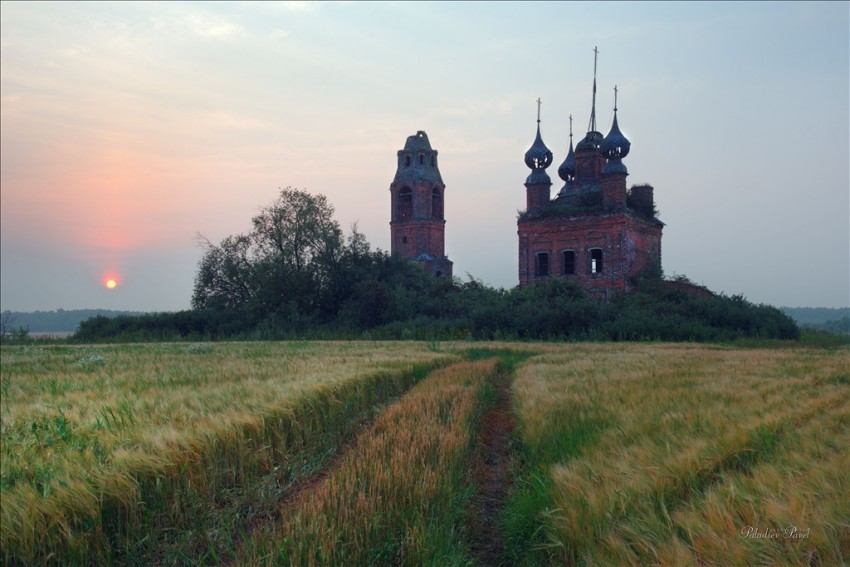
(567, 170)
(538, 157)
(615, 146)
(591, 141)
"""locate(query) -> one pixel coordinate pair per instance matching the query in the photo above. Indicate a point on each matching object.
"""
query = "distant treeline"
(836, 321)
(59, 321)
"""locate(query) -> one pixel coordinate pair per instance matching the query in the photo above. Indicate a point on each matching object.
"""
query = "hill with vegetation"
(823, 319)
(295, 275)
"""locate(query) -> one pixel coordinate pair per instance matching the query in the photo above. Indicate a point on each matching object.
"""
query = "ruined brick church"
(417, 225)
(594, 231)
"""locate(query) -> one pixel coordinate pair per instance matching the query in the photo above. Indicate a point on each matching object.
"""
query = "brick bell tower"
(418, 225)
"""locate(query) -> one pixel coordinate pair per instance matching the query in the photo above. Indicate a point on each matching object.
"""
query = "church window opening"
(421, 159)
(436, 204)
(404, 240)
(406, 161)
(405, 203)
(569, 258)
(595, 260)
(542, 268)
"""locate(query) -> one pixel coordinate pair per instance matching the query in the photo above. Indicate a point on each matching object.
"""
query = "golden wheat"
(99, 443)
(396, 482)
(669, 428)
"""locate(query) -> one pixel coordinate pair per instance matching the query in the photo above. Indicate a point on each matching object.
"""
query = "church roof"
(418, 161)
(417, 142)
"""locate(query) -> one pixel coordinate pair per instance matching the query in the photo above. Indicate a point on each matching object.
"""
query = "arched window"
(595, 260)
(405, 203)
(542, 264)
(569, 262)
(421, 159)
(436, 203)
(407, 161)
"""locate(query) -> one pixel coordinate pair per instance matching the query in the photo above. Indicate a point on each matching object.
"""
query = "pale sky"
(128, 127)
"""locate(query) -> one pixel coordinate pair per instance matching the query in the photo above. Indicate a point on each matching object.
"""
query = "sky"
(128, 128)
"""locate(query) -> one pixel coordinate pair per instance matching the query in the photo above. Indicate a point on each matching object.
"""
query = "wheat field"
(623, 454)
(686, 455)
(106, 447)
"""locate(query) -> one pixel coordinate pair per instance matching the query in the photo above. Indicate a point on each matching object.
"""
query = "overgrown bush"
(296, 276)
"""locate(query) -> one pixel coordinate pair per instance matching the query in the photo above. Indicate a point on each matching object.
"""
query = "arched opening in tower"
(436, 203)
(405, 203)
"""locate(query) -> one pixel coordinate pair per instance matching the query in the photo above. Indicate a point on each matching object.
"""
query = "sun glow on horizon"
(110, 281)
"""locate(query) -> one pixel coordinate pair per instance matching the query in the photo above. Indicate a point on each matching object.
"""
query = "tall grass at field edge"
(184, 505)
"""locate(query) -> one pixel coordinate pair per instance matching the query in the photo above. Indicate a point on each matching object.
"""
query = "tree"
(279, 270)
(226, 274)
(298, 229)
(7, 319)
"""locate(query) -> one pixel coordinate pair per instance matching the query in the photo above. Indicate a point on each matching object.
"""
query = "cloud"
(211, 26)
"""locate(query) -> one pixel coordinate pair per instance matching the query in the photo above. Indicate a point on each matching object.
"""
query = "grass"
(157, 452)
(400, 494)
(667, 455)
(625, 454)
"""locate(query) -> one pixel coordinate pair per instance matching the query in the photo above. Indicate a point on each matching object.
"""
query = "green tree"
(281, 269)
(227, 274)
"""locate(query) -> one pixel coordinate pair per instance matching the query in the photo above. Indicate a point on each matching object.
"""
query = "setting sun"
(111, 283)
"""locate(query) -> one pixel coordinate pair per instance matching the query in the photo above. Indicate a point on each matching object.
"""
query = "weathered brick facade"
(417, 225)
(594, 230)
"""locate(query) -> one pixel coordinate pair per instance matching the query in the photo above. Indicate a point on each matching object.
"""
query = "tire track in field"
(492, 475)
(301, 488)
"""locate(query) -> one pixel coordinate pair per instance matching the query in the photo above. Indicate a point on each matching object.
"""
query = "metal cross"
(538, 109)
(592, 125)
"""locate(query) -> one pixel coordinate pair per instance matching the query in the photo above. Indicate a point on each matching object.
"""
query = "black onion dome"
(538, 158)
(567, 170)
(615, 145)
(538, 155)
(592, 140)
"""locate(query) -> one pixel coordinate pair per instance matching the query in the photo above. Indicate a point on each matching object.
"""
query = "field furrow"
(363, 453)
(164, 452)
(400, 493)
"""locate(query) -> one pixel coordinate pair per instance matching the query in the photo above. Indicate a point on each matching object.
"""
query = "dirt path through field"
(298, 491)
(492, 475)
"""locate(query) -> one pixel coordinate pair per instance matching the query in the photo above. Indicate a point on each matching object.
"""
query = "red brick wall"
(536, 195)
(628, 245)
(420, 231)
(411, 238)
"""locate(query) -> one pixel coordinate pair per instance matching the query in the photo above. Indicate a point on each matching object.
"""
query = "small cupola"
(567, 170)
(615, 146)
(538, 157)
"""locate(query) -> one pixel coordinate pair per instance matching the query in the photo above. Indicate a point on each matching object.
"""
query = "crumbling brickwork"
(594, 230)
(417, 207)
